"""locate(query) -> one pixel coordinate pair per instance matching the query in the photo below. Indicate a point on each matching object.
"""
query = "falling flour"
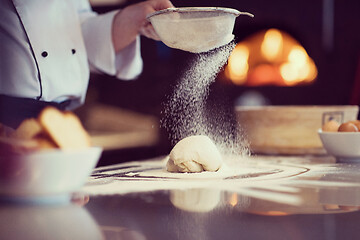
(186, 112)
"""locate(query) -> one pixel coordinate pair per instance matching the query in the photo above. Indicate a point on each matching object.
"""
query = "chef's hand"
(131, 21)
(80, 199)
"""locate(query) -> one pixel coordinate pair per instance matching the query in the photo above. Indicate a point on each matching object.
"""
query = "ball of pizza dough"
(194, 154)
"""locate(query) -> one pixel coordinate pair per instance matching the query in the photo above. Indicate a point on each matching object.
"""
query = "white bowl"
(345, 146)
(52, 174)
(195, 29)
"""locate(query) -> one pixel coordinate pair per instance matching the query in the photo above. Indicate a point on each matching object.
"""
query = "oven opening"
(270, 57)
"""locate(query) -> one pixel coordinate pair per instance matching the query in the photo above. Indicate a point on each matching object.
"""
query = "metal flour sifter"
(195, 29)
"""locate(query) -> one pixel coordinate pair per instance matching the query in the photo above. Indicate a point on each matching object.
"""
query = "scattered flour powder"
(186, 113)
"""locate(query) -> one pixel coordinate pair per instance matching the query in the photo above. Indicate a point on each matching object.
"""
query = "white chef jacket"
(47, 48)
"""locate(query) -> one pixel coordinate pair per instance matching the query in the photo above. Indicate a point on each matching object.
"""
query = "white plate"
(48, 175)
(345, 146)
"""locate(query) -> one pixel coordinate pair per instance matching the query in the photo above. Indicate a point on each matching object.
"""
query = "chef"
(49, 47)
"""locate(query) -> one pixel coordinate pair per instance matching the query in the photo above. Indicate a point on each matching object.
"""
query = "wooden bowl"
(289, 129)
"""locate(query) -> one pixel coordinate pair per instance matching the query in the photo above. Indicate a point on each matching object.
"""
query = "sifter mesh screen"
(195, 29)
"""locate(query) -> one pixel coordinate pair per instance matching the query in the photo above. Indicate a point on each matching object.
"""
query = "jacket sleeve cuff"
(97, 32)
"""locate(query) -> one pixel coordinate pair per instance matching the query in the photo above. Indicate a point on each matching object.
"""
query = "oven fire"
(270, 57)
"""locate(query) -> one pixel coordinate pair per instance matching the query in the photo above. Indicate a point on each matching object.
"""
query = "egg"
(331, 126)
(356, 123)
(348, 127)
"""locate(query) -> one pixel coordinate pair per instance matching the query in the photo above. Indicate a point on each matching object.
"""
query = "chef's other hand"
(131, 21)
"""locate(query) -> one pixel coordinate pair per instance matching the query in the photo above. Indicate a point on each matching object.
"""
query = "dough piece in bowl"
(194, 154)
(64, 128)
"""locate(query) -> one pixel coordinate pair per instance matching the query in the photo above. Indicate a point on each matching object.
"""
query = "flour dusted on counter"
(186, 113)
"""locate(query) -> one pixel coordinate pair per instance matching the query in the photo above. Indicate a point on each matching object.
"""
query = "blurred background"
(298, 52)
